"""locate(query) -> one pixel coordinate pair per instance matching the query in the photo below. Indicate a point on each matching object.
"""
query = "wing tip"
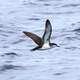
(47, 21)
(26, 33)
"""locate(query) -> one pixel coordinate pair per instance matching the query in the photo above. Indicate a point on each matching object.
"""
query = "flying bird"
(44, 42)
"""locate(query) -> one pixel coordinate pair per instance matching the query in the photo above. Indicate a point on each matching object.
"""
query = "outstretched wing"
(34, 37)
(48, 31)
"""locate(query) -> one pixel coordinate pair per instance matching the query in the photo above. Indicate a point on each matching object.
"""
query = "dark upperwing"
(34, 37)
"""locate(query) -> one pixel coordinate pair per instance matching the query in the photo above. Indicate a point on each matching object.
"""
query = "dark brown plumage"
(35, 38)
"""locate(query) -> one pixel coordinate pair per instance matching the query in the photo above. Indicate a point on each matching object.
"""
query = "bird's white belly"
(45, 46)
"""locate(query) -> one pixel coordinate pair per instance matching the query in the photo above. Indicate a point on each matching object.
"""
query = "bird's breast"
(45, 46)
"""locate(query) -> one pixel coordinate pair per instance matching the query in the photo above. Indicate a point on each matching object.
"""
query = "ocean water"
(17, 62)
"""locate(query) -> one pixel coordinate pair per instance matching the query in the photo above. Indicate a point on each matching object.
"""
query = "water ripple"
(71, 38)
(72, 48)
(30, 3)
(18, 41)
(6, 67)
(45, 0)
(10, 54)
(77, 30)
(33, 19)
(59, 73)
(71, 5)
(57, 13)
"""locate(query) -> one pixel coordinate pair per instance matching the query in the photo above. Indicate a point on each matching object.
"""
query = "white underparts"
(45, 46)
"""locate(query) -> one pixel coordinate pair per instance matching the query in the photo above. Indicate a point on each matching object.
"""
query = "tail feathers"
(36, 48)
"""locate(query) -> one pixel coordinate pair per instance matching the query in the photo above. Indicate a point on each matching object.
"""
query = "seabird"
(44, 42)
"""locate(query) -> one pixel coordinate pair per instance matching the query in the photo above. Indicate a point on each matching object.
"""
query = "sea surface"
(17, 61)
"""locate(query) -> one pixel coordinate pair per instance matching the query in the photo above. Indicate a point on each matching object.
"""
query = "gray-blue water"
(17, 62)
